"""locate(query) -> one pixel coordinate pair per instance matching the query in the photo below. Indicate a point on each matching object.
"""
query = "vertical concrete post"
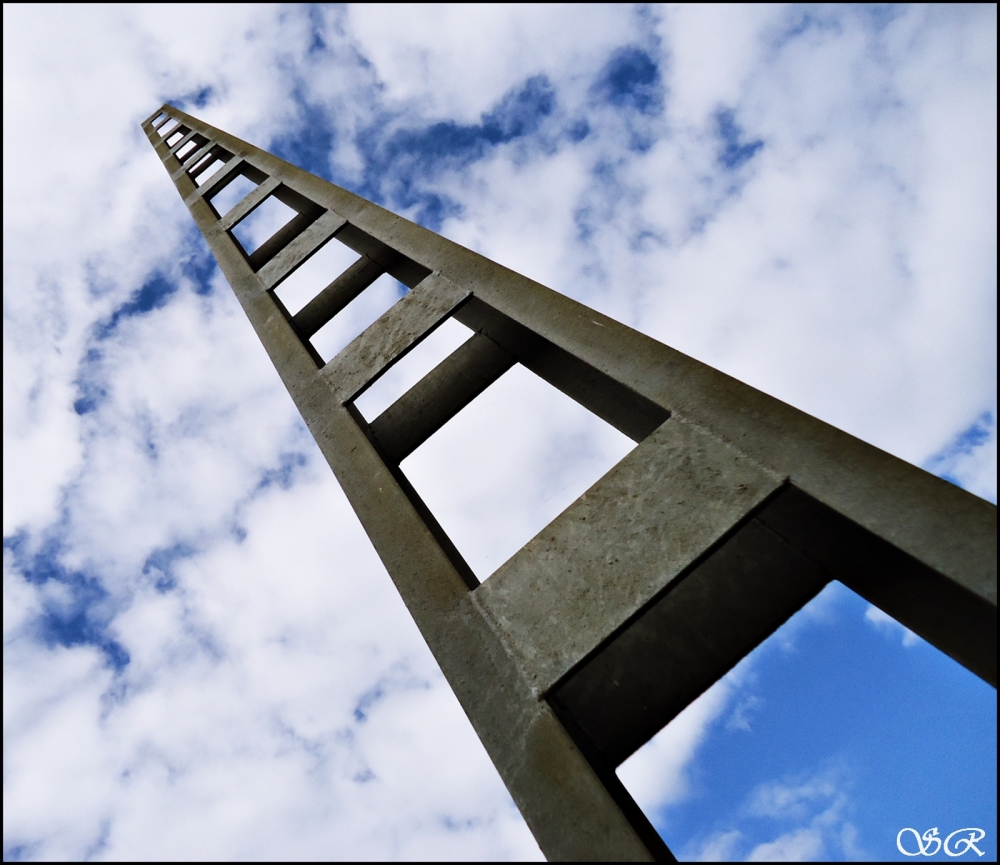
(731, 513)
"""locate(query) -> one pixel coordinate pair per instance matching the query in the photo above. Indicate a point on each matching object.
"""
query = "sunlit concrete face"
(732, 511)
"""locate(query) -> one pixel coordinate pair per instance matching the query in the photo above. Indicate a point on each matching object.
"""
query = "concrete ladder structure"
(732, 512)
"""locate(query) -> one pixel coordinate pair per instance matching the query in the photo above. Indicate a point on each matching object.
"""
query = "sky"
(203, 656)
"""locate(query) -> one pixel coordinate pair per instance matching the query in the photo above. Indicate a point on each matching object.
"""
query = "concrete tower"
(731, 513)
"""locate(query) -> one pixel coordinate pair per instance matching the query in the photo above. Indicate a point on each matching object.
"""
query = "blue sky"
(203, 656)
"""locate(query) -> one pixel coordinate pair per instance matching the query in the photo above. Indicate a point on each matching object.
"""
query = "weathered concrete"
(398, 330)
(300, 249)
(623, 542)
(733, 511)
(688, 638)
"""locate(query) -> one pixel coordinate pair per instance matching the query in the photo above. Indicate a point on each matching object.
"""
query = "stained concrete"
(623, 542)
(731, 513)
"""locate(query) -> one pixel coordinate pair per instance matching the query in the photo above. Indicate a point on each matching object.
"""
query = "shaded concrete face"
(733, 511)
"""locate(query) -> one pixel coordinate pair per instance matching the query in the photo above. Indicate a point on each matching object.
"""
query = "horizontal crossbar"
(337, 295)
(439, 396)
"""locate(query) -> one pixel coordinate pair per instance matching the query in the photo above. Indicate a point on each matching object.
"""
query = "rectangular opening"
(337, 294)
(189, 149)
(310, 278)
(211, 168)
(357, 316)
(508, 463)
(673, 695)
(193, 153)
(167, 129)
(232, 193)
(262, 223)
(834, 734)
(183, 141)
(173, 137)
(205, 169)
(492, 450)
(442, 342)
(208, 166)
(201, 165)
(159, 120)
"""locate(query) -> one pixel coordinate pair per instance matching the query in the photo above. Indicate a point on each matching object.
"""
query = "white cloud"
(657, 774)
(452, 61)
(714, 50)
(719, 847)
(792, 799)
(802, 845)
(840, 246)
(806, 818)
(820, 801)
(888, 625)
(273, 707)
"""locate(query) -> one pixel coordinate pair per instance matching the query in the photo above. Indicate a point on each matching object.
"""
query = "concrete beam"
(397, 331)
(439, 396)
(337, 295)
(301, 249)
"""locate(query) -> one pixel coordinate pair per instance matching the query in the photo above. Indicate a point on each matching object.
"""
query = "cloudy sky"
(203, 657)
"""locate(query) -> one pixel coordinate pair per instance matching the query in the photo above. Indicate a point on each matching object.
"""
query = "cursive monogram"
(930, 843)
